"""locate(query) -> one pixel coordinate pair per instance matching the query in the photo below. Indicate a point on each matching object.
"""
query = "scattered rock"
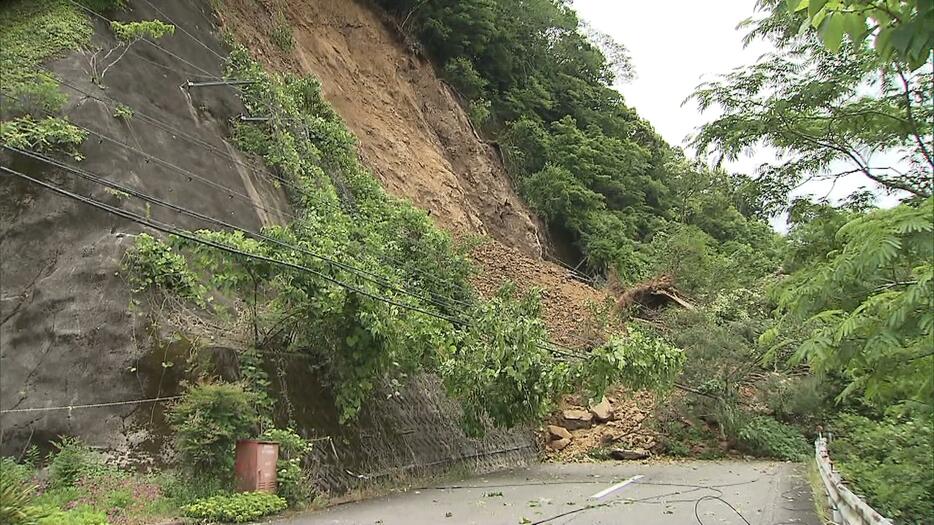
(628, 455)
(603, 411)
(576, 419)
(558, 444)
(556, 432)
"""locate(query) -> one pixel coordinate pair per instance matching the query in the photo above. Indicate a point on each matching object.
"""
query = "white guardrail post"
(847, 508)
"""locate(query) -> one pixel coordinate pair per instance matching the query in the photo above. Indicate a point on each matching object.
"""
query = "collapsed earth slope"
(413, 133)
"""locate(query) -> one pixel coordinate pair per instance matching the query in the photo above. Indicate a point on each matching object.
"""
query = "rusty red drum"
(255, 466)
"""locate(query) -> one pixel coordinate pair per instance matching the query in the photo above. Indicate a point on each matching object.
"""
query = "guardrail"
(847, 508)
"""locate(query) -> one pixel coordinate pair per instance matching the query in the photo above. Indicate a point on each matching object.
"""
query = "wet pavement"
(652, 493)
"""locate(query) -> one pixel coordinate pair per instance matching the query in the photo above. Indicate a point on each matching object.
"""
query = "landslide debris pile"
(618, 427)
(576, 314)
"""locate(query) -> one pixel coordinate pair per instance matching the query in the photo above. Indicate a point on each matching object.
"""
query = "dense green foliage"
(236, 508)
(48, 134)
(152, 264)
(208, 421)
(901, 28)
(34, 31)
(406, 306)
(867, 307)
(764, 436)
(889, 462)
(585, 162)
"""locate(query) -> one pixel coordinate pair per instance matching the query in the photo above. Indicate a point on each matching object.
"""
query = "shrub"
(208, 421)
(16, 495)
(889, 462)
(237, 508)
(82, 515)
(182, 488)
(152, 264)
(462, 74)
(72, 460)
(36, 98)
(764, 436)
(46, 135)
(282, 34)
(479, 112)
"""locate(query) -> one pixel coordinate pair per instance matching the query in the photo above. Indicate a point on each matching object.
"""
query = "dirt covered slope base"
(412, 132)
(577, 315)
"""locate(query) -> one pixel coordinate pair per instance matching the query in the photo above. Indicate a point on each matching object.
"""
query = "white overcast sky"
(674, 46)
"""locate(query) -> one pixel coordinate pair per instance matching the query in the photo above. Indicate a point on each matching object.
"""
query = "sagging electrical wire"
(169, 229)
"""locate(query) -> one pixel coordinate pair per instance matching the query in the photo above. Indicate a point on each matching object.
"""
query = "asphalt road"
(763, 493)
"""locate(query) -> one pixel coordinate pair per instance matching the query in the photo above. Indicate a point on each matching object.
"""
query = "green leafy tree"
(903, 29)
(827, 113)
(868, 308)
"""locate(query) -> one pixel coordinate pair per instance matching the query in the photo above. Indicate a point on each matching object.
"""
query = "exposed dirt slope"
(570, 308)
(413, 133)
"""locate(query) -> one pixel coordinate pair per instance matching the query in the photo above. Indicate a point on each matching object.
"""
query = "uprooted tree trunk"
(652, 293)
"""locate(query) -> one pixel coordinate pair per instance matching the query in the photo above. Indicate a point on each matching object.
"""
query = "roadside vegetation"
(829, 325)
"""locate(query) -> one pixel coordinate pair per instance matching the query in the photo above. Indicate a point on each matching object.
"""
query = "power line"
(87, 175)
(243, 197)
(92, 405)
(171, 230)
(716, 498)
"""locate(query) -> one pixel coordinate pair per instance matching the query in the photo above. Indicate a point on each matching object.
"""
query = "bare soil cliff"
(413, 133)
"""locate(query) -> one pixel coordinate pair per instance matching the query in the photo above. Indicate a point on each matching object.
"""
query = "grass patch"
(282, 34)
(821, 505)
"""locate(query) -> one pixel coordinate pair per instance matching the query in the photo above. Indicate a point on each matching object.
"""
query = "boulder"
(624, 454)
(556, 432)
(558, 444)
(602, 411)
(574, 419)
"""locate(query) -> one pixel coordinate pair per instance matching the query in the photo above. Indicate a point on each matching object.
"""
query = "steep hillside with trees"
(201, 257)
(205, 252)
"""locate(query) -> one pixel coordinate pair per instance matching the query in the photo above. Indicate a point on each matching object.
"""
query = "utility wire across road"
(172, 230)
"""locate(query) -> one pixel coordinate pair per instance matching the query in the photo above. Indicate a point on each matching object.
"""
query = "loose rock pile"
(616, 427)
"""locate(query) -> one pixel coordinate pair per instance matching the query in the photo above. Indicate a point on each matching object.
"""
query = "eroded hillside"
(416, 138)
(412, 132)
